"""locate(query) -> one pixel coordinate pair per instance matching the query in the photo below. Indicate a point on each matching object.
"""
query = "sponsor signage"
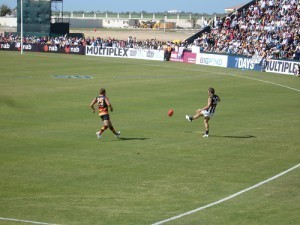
(6, 46)
(125, 53)
(244, 63)
(112, 52)
(16, 46)
(67, 49)
(186, 57)
(212, 60)
(281, 66)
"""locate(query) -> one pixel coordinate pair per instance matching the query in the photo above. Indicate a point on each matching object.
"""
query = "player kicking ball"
(103, 105)
(208, 111)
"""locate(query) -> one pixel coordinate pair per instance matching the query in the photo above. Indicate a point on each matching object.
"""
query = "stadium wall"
(86, 23)
(89, 22)
(8, 22)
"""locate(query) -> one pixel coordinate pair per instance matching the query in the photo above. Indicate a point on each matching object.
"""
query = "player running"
(103, 105)
(208, 111)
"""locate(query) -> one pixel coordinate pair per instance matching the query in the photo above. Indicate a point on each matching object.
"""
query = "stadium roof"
(231, 9)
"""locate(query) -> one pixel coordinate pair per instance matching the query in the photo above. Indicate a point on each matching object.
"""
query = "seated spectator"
(267, 25)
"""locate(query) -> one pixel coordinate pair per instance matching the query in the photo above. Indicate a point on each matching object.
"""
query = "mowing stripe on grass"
(173, 67)
(26, 221)
(221, 73)
(227, 198)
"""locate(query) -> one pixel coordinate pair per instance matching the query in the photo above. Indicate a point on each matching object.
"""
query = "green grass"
(54, 170)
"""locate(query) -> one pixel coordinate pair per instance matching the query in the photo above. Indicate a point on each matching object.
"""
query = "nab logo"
(5, 46)
(53, 48)
(74, 49)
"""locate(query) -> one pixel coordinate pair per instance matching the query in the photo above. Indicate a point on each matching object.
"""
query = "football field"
(54, 170)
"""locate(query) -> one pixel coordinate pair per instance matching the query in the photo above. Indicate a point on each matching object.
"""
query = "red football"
(170, 113)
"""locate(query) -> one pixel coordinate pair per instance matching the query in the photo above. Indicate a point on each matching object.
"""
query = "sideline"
(227, 198)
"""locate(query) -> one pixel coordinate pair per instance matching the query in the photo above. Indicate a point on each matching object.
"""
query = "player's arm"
(209, 103)
(92, 104)
(109, 104)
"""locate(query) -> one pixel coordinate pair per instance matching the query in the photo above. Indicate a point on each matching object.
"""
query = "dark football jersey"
(214, 101)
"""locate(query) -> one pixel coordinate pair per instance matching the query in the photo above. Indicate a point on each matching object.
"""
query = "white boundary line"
(26, 221)
(227, 198)
(268, 82)
(234, 75)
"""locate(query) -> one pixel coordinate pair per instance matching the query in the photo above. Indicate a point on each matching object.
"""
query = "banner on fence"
(243, 63)
(212, 60)
(35, 47)
(281, 66)
(125, 53)
(186, 57)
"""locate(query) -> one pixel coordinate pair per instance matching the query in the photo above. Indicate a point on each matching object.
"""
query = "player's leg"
(103, 128)
(196, 116)
(206, 124)
(110, 126)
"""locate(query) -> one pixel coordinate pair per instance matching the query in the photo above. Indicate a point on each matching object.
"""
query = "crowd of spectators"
(61, 42)
(131, 42)
(268, 28)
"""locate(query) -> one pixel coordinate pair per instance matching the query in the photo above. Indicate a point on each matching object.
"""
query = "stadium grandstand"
(266, 28)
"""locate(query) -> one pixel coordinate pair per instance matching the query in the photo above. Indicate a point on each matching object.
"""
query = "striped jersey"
(102, 106)
(214, 101)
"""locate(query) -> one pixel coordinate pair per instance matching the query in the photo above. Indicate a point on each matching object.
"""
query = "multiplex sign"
(112, 52)
(125, 53)
(285, 67)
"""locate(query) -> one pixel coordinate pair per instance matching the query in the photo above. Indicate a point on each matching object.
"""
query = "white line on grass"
(227, 198)
(26, 221)
(234, 75)
(268, 82)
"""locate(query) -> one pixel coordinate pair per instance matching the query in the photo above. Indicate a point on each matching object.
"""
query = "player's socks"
(113, 130)
(206, 134)
(118, 134)
(103, 129)
(189, 118)
(98, 134)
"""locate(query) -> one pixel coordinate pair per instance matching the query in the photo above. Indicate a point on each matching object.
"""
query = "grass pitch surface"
(54, 170)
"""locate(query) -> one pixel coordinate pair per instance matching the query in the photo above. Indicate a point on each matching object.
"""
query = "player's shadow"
(132, 139)
(233, 136)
